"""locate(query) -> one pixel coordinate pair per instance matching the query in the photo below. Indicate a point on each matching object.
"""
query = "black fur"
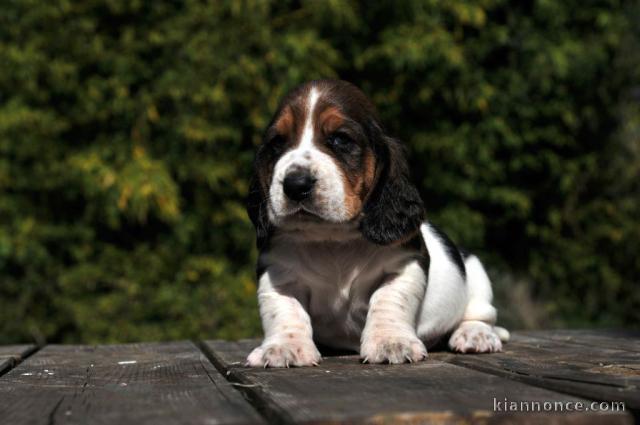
(416, 243)
(257, 210)
(465, 254)
(453, 252)
(261, 267)
(394, 210)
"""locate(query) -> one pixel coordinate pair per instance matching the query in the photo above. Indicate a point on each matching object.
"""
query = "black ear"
(257, 210)
(394, 210)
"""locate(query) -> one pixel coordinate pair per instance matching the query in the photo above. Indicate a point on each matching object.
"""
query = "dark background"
(127, 131)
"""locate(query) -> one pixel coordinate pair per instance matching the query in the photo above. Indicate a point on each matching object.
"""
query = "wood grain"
(628, 340)
(156, 383)
(10, 355)
(572, 366)
(342, 390)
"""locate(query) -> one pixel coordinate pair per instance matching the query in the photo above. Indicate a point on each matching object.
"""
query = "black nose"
(298, 185)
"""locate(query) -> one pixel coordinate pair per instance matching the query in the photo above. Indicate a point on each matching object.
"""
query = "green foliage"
(127, 132)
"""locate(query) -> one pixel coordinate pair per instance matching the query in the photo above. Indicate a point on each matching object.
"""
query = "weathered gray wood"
(156, 383)
(10, 355)
(573, 367)
(618, 339)
(342, 390)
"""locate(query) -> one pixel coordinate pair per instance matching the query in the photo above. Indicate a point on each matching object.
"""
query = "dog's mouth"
(301, 214)
(305, 215)
(308, 226)
(302, 217)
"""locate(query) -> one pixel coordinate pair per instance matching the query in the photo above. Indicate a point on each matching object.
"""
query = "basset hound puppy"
(347, 258)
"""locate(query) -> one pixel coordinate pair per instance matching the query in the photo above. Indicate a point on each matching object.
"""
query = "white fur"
(476, 333)
(306, 142)
(390, 330)
(326, 283)
(474, 336)
(446, 296)
(287, 330)
(328, 196)
(480, 294)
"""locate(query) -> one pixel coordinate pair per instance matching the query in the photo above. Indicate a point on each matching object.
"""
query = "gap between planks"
(14, 360)
(253, 393)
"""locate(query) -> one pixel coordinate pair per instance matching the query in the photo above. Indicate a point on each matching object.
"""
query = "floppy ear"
(394, 210)
(257, 210)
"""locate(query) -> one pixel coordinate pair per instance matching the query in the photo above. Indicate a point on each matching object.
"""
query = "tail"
(480, 296)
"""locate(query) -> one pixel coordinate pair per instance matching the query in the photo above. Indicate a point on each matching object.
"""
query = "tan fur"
(284, 123)
(330, 119)
(352, 199)
(357, 186)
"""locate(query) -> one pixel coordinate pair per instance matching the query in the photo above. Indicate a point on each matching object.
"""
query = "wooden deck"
(206, 383)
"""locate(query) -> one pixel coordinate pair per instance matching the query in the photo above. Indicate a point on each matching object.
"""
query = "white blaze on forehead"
(306, 142)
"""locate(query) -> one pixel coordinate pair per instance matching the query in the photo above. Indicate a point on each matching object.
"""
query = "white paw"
(392, 349)
(294, 352)
(475, 337)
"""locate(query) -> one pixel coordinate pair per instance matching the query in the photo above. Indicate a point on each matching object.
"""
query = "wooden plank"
(619, 339)
(342, 390)
(594, 372)
(156, 383)
(10, 355)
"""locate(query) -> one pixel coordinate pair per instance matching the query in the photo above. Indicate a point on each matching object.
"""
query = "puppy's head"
(325, 160)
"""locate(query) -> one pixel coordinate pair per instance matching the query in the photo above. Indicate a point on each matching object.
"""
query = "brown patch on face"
(352, 201)
(369, 172)
(359, 178)
(370, 177)
(282, 135)
(284, 124)
(289, 123)
(330, 119)
(358, 184)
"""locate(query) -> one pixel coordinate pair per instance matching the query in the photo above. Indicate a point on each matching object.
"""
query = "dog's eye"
(339, 140)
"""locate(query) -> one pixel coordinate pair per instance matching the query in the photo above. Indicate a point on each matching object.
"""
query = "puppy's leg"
(390, 330)
(288, 339)
(446, 297)
(477, 333)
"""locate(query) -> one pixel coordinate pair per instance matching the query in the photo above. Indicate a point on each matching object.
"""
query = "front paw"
(475, 337)
(284, 354)
(392, 349)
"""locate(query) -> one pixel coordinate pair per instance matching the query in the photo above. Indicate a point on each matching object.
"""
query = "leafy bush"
(127, 130)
